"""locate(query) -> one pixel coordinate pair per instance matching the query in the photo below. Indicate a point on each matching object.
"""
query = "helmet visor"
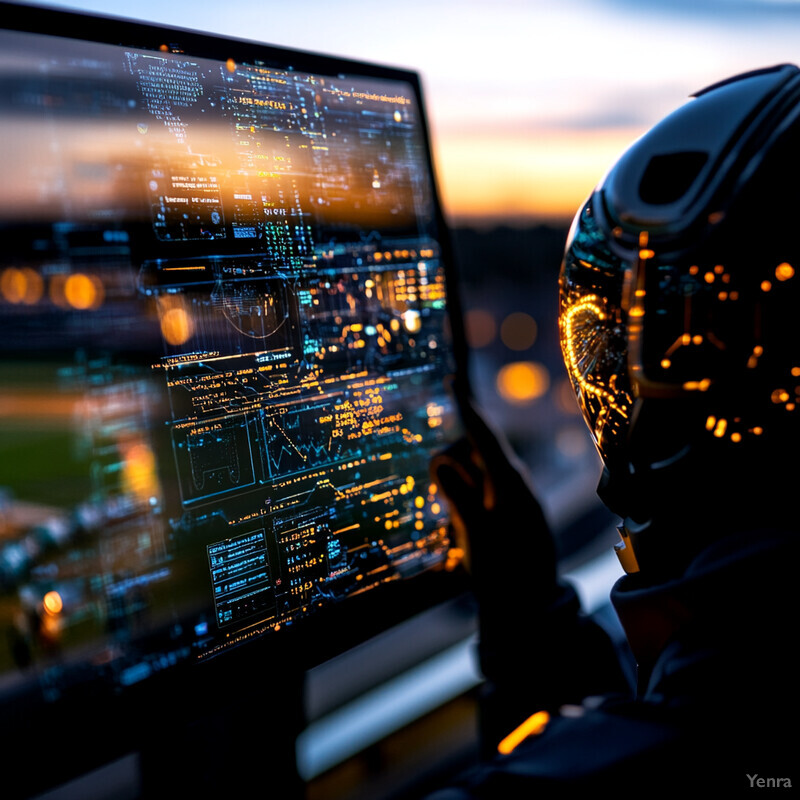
(593, 329)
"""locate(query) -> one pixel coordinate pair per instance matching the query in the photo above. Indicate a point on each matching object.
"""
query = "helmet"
(678, 293)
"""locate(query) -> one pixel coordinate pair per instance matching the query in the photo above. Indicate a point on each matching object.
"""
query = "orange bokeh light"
(784, 271)
(480, 327)
(176, 325)
(83, 292)
(53, 604)
(518, 331)
(522, 382)
(21, 285)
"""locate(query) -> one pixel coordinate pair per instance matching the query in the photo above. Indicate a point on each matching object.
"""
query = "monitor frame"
(120, 721)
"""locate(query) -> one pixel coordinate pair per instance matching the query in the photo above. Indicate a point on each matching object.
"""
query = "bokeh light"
(522, 382)
(52, 602)
(784, 271)
(518, 331)
(83, 292)
(139, 470)
(481, 329)
(412, 320)
(23, 286)
(176, 325)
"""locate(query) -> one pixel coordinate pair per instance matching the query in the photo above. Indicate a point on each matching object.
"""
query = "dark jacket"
(715, 701)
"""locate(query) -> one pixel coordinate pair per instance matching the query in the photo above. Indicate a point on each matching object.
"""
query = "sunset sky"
(530, 101)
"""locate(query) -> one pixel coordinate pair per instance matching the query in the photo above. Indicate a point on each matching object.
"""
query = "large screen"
(227, 347)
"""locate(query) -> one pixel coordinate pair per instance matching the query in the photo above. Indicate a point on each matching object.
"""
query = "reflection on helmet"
(592, 328)
(682, 287)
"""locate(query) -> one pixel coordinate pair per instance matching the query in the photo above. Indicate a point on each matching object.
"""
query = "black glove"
(537, 651)
(496, 519)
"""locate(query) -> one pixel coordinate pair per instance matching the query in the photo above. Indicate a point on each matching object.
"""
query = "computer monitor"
(229, 341)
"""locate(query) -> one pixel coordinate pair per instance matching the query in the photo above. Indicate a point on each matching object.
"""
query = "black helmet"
(679, 294)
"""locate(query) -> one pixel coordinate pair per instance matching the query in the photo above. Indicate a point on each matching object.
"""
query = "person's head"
(678, 298)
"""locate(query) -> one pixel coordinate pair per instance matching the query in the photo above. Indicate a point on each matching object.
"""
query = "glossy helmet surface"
(679, 292)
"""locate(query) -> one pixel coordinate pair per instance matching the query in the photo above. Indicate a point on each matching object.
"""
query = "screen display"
(226, 350)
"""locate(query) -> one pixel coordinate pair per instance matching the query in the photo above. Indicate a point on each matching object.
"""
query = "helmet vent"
(668, 178)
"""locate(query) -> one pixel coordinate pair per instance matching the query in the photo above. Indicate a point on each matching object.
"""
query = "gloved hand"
(537, 650)
(496, 518)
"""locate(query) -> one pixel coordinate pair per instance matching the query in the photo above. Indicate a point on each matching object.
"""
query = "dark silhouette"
(677, 298)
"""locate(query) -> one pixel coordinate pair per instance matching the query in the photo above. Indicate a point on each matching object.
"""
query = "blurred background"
(529, 103)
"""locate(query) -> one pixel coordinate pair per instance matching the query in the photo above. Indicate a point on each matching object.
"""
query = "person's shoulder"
(580, 748)
(628, 747)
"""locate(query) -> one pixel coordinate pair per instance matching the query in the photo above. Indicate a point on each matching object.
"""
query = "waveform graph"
(304, 436)
(214, 458)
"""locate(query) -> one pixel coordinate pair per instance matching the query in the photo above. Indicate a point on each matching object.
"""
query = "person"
(678, 293)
